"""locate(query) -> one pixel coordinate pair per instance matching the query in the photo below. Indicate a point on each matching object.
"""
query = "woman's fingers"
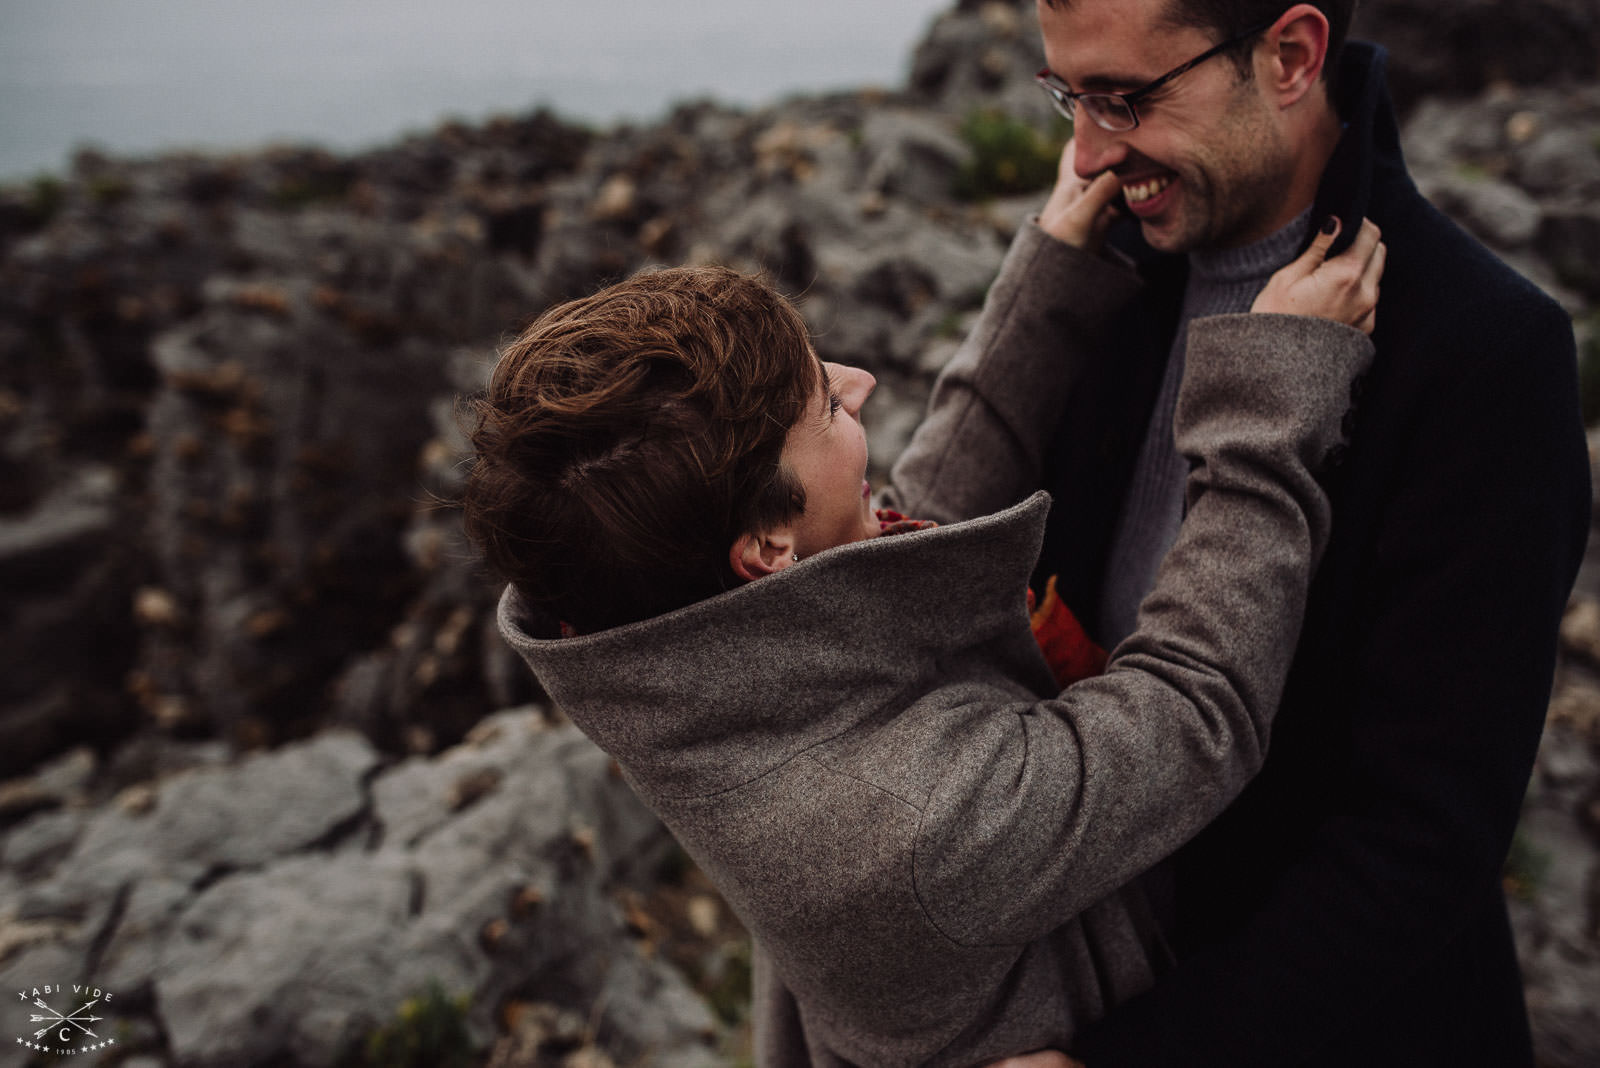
(1375, 265)
(1079, 210)
(1044, 1058)
(1343, 288)
(1366, 242)
(1372, 254)
(1101, 191)
(1317, 252)
(1368, 322)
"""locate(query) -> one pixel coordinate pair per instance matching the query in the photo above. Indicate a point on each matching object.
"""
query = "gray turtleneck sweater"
(1220, 282)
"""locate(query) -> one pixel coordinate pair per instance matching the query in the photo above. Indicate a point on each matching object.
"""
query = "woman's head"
(629, 440)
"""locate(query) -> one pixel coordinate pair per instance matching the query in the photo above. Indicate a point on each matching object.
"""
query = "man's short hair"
(1229, 18)
(627, 439)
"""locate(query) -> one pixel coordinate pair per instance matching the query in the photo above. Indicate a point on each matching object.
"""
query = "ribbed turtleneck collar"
(1252, 262)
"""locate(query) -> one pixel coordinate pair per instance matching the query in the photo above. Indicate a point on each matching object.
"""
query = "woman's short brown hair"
(628, 438)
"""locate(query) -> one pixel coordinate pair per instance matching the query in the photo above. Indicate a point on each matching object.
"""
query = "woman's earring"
(795, 557)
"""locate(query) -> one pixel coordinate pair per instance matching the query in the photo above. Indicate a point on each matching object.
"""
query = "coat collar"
(718, 693)
(1371, 141)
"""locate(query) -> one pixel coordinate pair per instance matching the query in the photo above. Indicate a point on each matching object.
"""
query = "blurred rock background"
(270, 777)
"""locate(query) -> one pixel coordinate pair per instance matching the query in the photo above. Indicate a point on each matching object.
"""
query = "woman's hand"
(1343, 288)
(1078, 212)
(1042, 1058)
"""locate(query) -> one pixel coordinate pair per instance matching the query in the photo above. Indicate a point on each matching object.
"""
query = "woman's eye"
(834, 404)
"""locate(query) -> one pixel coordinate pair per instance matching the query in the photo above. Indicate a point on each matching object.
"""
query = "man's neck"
(1316, 131)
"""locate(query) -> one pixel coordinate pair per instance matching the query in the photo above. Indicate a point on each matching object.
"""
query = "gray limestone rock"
(232, 409)
(298, 959)
(1561, 160)
(1569, 240)
(1499, 213)
(63, 526)
(649, 1015)
(915, 156)
(1554, 914)
(982, 54)
(214, 899)
(217, 819)
(1459, 46)
(34, 846)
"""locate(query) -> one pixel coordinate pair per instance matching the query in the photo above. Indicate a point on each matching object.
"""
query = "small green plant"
(729, 991)
(1589, 373)
(108, 190)
(313, 181)
(1009, 156)
(1525, 868)
(674, 866)
(46, 196)
(428, 1031)
(949, 325)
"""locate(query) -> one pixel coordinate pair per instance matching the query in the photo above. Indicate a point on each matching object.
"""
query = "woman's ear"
(755, 555)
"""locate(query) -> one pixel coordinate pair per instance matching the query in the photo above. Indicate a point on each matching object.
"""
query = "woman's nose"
(853, 384)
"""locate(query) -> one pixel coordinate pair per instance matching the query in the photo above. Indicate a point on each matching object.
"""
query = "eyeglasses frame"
(1065, 100)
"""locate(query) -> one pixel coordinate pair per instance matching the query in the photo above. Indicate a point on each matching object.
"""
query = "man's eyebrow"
(1099, 83)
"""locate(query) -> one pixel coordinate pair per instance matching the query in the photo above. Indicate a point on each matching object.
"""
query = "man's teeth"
(1140, 191)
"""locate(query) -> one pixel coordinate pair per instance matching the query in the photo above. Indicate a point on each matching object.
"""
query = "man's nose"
(1095, 150)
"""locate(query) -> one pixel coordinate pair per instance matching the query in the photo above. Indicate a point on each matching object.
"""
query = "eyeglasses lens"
(1064, 104)
(1109, 112)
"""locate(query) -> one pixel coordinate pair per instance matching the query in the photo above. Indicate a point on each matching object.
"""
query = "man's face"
(1209, 165)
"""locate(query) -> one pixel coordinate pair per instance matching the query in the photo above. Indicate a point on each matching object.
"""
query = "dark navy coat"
(1348, 907)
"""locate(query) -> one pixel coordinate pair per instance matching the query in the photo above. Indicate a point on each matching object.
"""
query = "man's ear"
(755, 555)
(1297, 50)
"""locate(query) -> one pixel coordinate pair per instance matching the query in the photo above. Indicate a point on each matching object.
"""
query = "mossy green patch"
(1525, 868)
(1589, 373)
(1009, 156)
(428, 1031)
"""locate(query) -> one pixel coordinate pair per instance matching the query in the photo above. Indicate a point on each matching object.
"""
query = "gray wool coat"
(931, 845)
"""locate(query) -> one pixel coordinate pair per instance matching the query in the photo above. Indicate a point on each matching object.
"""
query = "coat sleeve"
(1045, 808)
(1480, 547)
(981, 446)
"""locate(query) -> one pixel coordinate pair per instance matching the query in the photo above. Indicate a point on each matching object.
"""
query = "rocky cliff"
(261, 787)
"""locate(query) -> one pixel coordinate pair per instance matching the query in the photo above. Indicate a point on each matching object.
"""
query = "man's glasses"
(1116, 111)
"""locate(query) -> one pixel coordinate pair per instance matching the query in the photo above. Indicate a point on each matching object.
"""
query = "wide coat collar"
(718, 693)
